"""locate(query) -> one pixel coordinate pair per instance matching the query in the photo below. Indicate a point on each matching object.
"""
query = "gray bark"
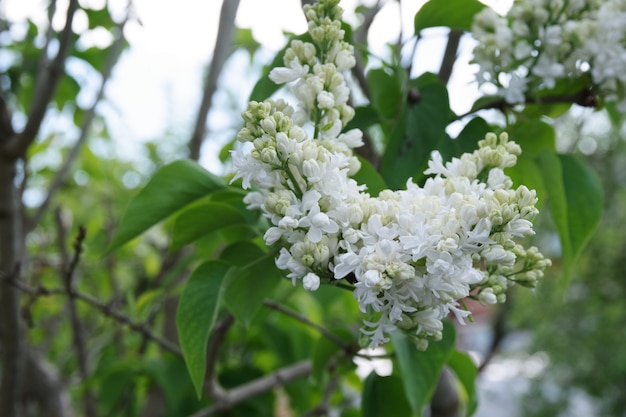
(11, 247)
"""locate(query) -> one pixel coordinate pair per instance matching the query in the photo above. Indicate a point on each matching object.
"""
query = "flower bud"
(311, 282)
(487, 297)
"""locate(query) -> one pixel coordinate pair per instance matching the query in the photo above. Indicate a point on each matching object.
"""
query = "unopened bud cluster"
(411, 254)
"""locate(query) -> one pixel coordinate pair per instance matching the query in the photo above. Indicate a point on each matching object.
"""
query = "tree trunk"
(11, 249)
(45, 387)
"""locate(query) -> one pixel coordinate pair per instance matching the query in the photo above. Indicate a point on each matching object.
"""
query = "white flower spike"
(411, 255)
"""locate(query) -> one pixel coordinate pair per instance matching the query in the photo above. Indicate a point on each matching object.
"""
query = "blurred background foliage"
(579, 327)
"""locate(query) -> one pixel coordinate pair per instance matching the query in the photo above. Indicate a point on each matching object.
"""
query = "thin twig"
(347, 347)
(221, 51)
(106, 309)
(61, 174)
(77, 326)
(409, 68)
(45, 86)
(360, 38)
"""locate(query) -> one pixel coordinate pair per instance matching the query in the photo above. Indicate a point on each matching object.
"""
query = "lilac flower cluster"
(540, 42)
(411, 254)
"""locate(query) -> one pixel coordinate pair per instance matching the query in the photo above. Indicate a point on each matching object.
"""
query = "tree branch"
(585, 98)
(47, 81)
(220, 54)
(258, 386)
(409, 68)
(366, 151)
(450, 55)
(61, 174)
(360, 38)
(106, 309)
(6, 123)
(323, 407)
(226, 399)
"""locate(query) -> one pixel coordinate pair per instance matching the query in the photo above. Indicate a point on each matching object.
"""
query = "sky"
(157, 85)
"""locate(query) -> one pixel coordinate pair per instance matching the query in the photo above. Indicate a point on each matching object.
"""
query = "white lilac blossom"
(540, 42)
(411, 256)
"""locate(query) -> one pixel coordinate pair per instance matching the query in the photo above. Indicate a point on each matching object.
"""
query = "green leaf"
(67, 90)
(96, 57)
(526, 172)
(244, 39)
(455, 14)
(552, 173)
(420, 370)
(364, 117)
(465, 369)
(233, 196)
(145, 300)
(383, 396)
(576, 202)
(241, 253)
(171, 188)
(202, 219)
(467, 140)
(115, 381)
(196, 315)
(171, 375)
(99, 17)
(369, 176)
(533, 136)
(419, 130)
(225, 151)
(386, 91)
(247, 287)
(488, 102)
(585, 201)
(351, 412)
